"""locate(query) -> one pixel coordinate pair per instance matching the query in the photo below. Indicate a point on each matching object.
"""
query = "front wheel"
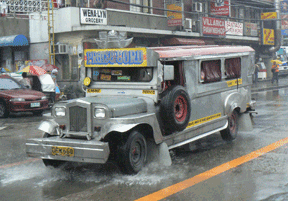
(3, 110)
(230, 133)
(132, 154)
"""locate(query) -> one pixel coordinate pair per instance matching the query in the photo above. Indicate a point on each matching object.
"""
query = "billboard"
(175, 18)
(250, 29)
(268, 15)
(220, 7)
(268, 37)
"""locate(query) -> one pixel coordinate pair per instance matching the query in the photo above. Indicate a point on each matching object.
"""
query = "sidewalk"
(263, 85)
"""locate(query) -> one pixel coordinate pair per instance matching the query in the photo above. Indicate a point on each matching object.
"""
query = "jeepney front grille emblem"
(78, 119)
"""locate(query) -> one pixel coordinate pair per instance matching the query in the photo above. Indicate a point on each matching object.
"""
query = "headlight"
(99, 113)
(60, 111)
(17, 99)
(43, 97)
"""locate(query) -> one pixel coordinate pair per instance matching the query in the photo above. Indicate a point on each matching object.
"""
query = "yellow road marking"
(164, 193)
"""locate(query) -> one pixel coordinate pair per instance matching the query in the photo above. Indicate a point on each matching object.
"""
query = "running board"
(198, 137)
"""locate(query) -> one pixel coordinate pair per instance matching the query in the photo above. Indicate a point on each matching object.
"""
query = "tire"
(132, 154)
(175, 109)
(52, 163)
(3, 110)
(230, 133)
(38, 113)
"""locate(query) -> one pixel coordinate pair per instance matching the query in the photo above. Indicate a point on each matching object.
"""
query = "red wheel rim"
(232, 123)
(180, 108)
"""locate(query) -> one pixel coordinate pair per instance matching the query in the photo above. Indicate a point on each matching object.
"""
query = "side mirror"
(168, 72)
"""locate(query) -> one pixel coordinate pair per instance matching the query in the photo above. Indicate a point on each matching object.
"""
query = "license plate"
(62, 151)
(35, 104)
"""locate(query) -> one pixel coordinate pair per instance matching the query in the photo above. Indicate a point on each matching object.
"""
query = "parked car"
(283, 68)
(16, 98)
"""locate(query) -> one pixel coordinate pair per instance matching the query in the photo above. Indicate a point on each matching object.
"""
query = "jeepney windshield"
(122, 74)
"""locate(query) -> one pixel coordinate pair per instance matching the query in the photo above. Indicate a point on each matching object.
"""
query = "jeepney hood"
(117, 105)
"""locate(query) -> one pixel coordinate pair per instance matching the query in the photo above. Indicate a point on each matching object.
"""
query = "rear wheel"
(3, 110)
(230, 133)
(132, 154)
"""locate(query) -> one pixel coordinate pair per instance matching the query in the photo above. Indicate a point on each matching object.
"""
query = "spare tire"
(175, 109)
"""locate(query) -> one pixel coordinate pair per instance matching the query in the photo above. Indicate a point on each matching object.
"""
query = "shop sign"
(269, 15)
(175, 18)
(234, 28)
(220, 7)
(284, 6)
(268, 37)
(125, 57)
(250, 29)
(213, 26)
(93, 16)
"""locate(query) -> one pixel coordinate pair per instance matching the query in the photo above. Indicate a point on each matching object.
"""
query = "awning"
(15, 40)
(183, 41)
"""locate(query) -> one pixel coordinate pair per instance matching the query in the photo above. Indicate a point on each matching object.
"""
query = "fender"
(50, 126)
(232, 101)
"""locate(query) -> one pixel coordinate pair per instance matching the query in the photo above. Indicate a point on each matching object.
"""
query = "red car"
(16, 98)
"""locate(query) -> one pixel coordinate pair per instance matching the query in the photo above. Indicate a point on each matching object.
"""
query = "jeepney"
(170, 96)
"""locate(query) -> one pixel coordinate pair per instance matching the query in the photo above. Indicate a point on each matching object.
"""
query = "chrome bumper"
(84, 151)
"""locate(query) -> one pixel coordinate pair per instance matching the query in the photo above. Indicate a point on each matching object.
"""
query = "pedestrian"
(25, 81)
(54, 74)
(275, 71)
(3, 70)
(257, 69)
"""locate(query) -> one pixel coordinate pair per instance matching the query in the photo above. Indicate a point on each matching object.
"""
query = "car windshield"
(125, 74)
(8, 84)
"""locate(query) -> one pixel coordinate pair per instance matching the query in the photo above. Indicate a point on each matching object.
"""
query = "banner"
(268, 36)
(175, 18)
(269, 15)
(220, 7)
(125, 57)
(213, 26)
(93, 16)
(234, 28)
(284, 6)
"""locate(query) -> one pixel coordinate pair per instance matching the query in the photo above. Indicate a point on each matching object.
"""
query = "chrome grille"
(78, 119)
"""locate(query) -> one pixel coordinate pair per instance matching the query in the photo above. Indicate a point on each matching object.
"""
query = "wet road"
(263, 178)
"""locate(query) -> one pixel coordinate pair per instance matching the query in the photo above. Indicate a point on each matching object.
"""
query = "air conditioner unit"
(197, 7)
(188, 24)
(60, 49)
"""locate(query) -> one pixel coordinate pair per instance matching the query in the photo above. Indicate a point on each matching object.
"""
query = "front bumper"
(25, 106)
(84, 151)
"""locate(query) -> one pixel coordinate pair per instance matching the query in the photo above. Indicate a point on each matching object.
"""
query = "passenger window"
(210, 71)
(233, 68)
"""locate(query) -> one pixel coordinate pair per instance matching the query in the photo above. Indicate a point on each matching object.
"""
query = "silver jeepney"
(163, 95)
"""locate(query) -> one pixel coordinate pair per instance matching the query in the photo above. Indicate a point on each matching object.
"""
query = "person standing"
(275, 71)
(257, 69)
(25, 81)
(54, 74)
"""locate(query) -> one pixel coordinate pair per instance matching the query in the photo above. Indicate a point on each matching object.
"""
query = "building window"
(141, 3)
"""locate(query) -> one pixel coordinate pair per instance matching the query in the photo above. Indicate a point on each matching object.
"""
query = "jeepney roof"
(198, 50)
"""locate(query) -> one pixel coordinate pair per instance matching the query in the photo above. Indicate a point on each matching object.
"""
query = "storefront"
(13, 51)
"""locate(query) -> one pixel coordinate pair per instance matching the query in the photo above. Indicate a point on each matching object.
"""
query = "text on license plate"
(62, 151)
(35, 104)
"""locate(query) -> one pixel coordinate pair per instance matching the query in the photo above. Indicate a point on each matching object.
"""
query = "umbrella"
(277, 61)
(36, 70)
(49, 67)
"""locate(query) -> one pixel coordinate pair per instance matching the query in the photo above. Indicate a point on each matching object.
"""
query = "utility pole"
(51, 38)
